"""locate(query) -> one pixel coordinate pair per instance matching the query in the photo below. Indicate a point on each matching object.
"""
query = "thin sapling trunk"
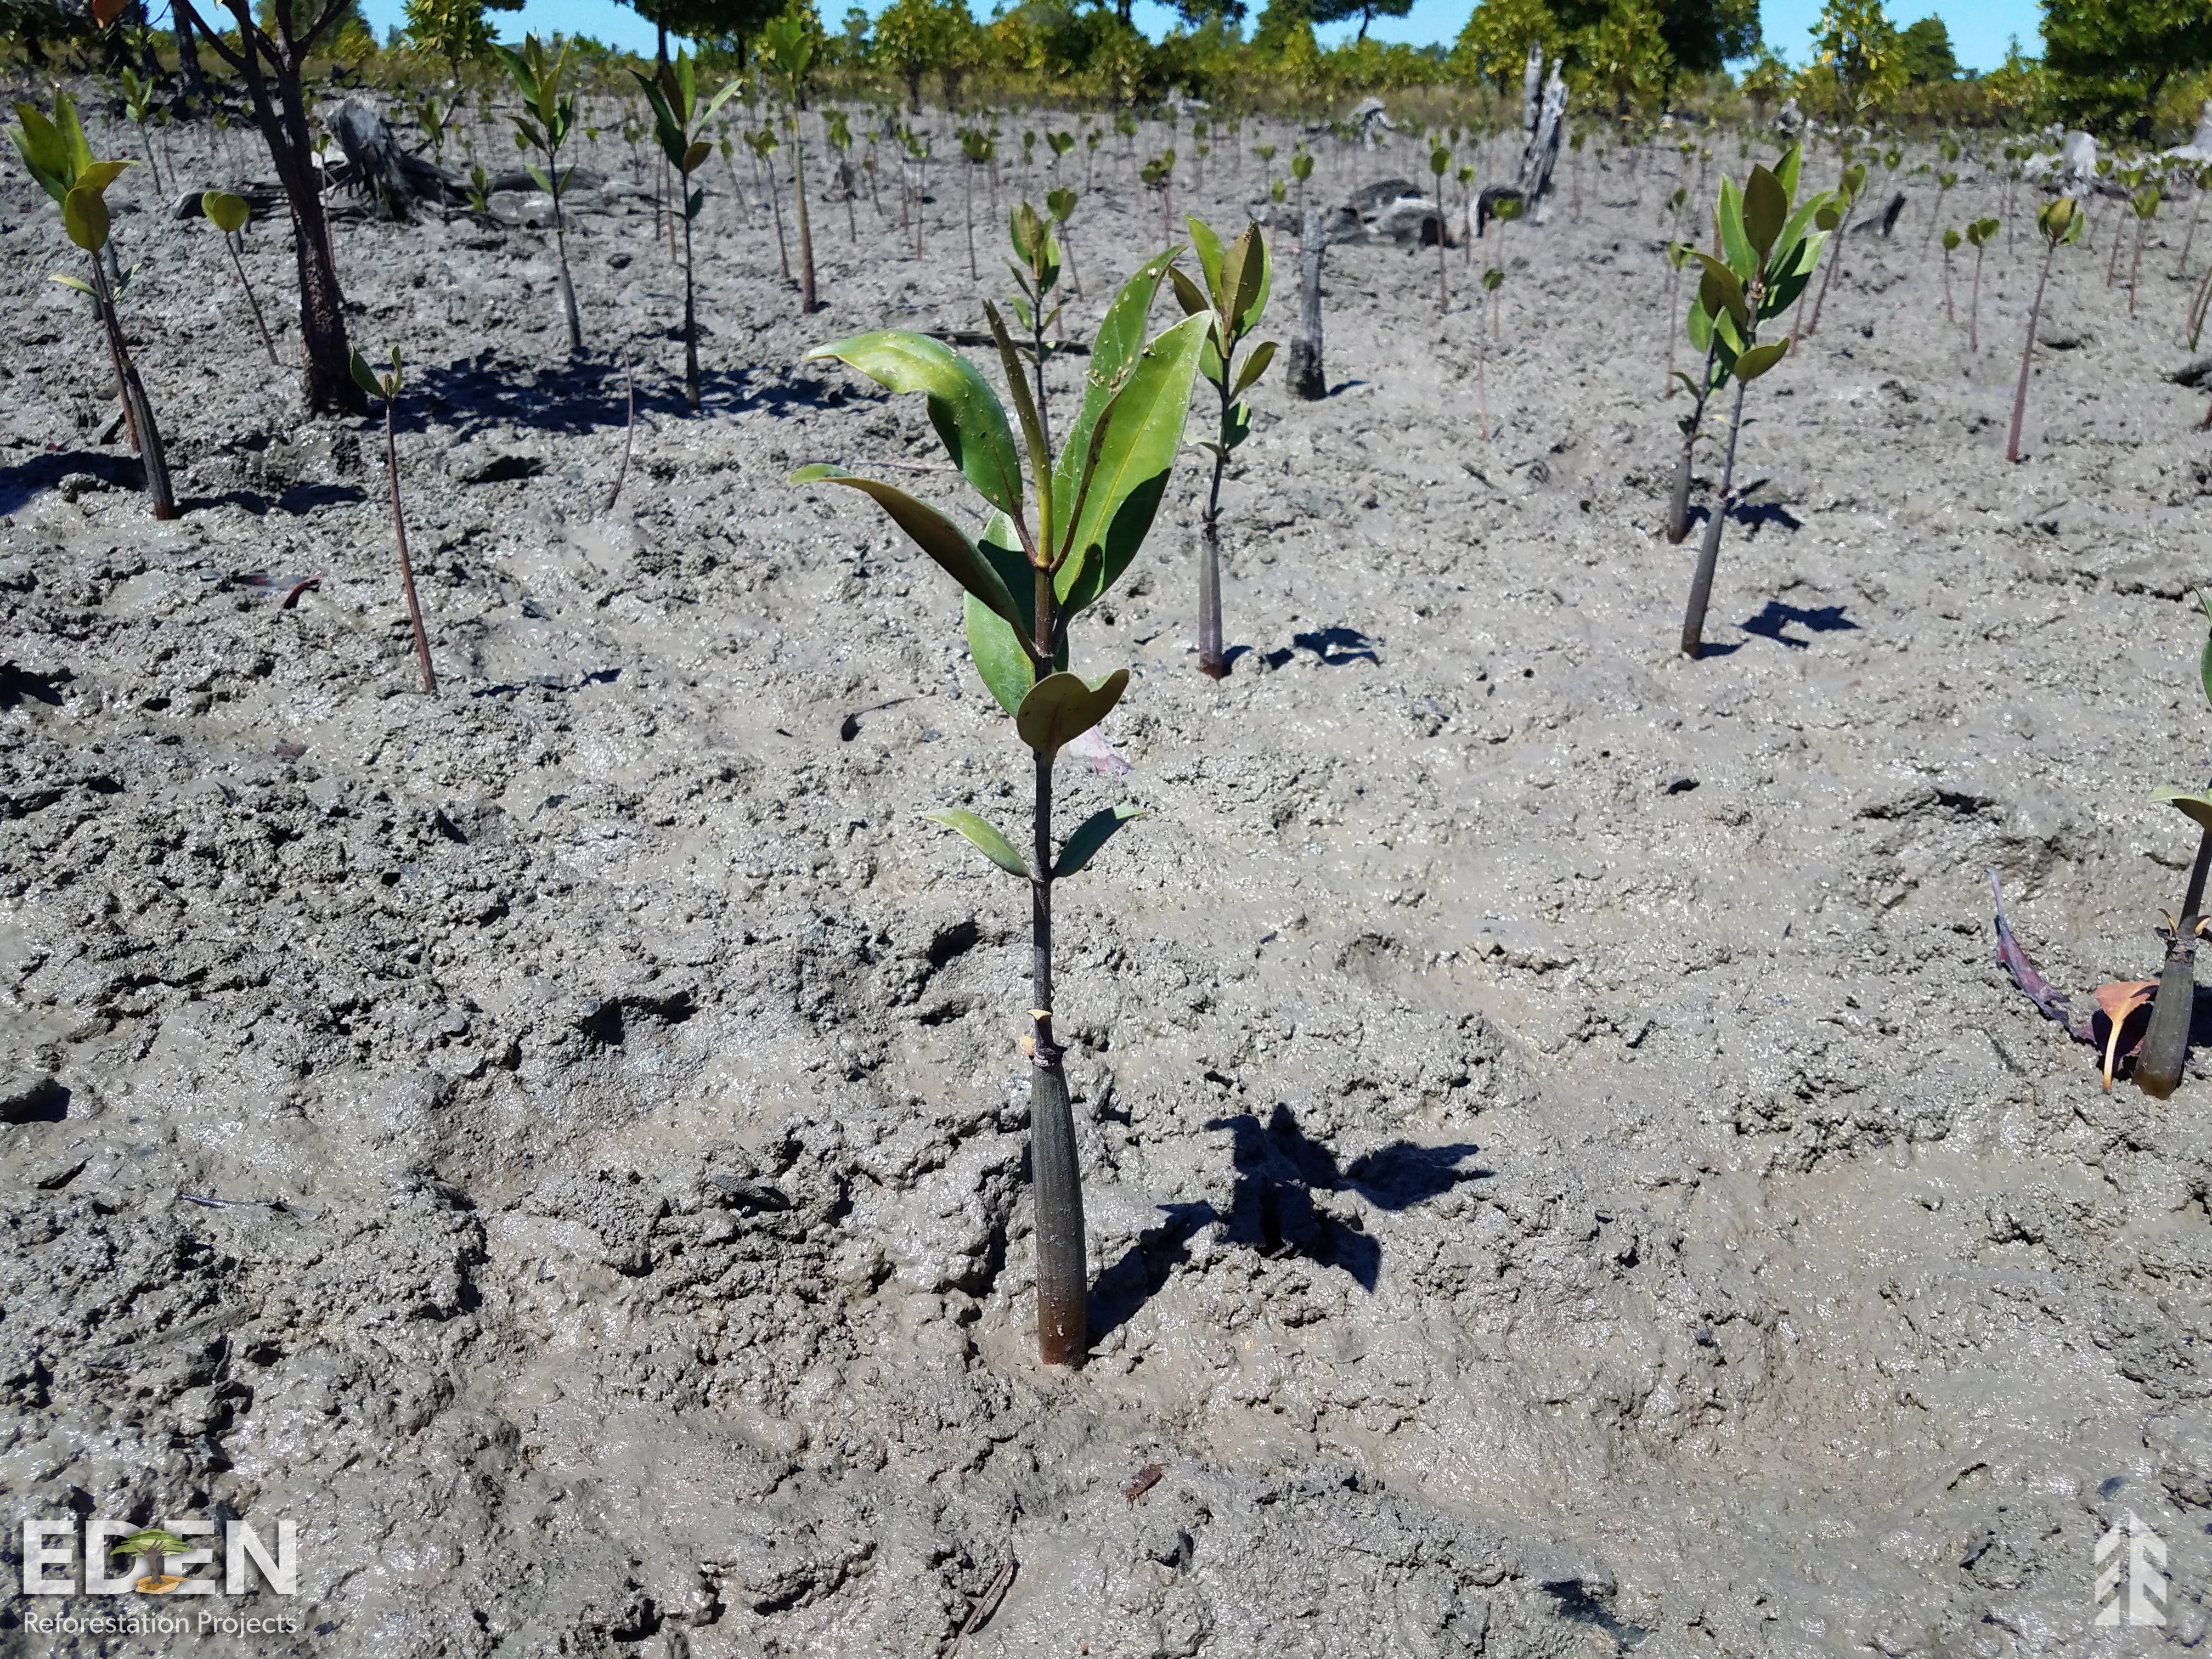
(2059, 221)
(386, 386)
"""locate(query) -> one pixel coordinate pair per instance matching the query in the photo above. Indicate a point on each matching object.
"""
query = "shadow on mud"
(590, 394)
(20, 484)
(1823, 619)
(1279, 1169)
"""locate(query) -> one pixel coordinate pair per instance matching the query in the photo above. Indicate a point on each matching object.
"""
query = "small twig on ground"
(298, 588)
(629, 433)
(988, 1603)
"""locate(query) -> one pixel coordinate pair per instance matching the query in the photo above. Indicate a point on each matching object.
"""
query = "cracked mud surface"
(1564, 1170)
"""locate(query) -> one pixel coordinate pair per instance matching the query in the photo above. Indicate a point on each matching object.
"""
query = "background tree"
(1704, 35)
(1859, 63)
(1926, 46)
(1340, 11)
(918, 38)
(271, 53)
(454, 30)
(2110, 61)
(1494, 45)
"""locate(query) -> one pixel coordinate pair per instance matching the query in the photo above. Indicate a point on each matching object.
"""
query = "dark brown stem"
(138, 412)
(1974, 307)
(690, 324)
(1709, 552)
(2165, 1053)
(400, 531)
(2027, 354)
(1212, 662)
(1062, 1266)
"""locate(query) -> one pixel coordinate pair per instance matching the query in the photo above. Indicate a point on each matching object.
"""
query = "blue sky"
(1978, 29)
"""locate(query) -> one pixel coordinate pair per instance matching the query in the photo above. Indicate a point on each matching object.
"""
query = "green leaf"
(538, 177)
(934, 534)
(2204, 663)
(1006, 670)
(1785, 170)
(76, 283)
(694, 202)
(45, 153)
(518, 71)
(1255, 365)
(2197, 806)
(986, 837)
(1736, 245)
(1061, 708)
(1207, 246)
(84, 217)
(966, 412)
(365, 377)
(1189, 295)
(101, 174)
(1236, 425)
(1116, 347)
(1093, 833)
(225, 211)
(1757, 360)
(1723, 290)
(1249, 265)
(697, 152)
(1143, 432)
(1765, 210)
(1700, 324)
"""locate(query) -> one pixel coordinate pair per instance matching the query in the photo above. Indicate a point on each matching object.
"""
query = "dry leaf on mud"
(2117, 1002)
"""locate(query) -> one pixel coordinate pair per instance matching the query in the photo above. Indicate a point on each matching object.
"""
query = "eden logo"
(164, 1560)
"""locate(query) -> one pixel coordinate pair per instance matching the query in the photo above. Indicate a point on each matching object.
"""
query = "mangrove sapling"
(2199, 183)
(378, 384)
(841, 140)
(1238, 279)
(1158, 174)
(2166, 1044)
(1769, 249)
(786, 44)
(1978, 234)
(1439, 165)
(2060, 223)
(1302, 169)
(55, 152)
(546, 120)
(975, 144)
(1504, 210)
(229, 214)
(2145, 205)
(1053, 546)
(1847, 193)
(138, 105)
(678, 118)
(1951, 241)
(764, 144)
(1307, 381)
(1060, 203)
(1944, 181)
(1493, 280)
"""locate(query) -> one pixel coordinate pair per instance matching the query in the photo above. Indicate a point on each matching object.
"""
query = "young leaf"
(1759, 359)
(1765, 209)
(1060, 707)
(1143, 433)
(934, 534)
(1207, 246)
(1093, 833)
(84, 217)
(225, 211)
(986, 837)
(967, 413)
(365, 377)
(1255, 365)
(1736, 245)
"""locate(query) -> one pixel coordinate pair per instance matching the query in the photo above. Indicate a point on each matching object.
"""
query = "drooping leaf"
(2117, 1002)
(1255, 365)
(364, 376)
(1755, 362)
(1207, 246)
(76, 283)
(84, 217)
(1062, 706)
(225, 211)
(933, 534)
(1143, 430)
(1093, 833)
(1765, 210)
(967, 413)
(986, 837)
(2197, 806)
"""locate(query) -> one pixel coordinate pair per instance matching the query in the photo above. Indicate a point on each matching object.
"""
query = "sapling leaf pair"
(546, 120)
(679, 119)
(55, 152)
(1769, 245)
(1238, 279)
(2060, 223)
(1054, 544)
(378, 384)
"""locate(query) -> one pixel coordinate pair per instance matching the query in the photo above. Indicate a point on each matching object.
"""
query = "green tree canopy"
(2109, 61)
(1927, 48)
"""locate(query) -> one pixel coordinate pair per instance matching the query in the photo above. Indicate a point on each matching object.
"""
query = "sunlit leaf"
(1093, 833)
(966, 412)
(1062, 706)
(933, 534)
(986, 837)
